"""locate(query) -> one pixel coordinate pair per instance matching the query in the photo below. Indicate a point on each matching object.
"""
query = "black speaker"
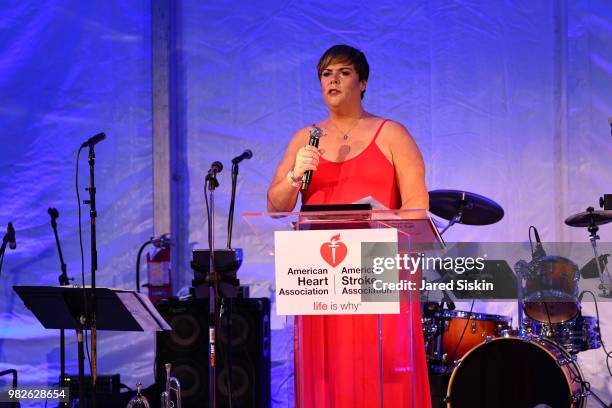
(186, 348)
(249, 354)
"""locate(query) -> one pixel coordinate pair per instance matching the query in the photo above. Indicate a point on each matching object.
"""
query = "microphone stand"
(230, 218)
(227, 311)
(5, 241)
(94, 267)
(64, 280)
(211, 183)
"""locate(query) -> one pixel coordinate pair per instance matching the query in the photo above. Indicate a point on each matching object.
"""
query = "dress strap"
(379, 128)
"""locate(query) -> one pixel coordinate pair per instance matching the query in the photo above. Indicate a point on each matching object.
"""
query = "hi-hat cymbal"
(588, 218)
(472, 208)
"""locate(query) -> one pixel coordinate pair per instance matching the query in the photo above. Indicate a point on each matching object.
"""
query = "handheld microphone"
(10, 236)
(246, 155)
(315, 135)
(94, 140)
(539, 251)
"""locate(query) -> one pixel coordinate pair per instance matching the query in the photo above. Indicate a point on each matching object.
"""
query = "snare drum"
(551, 290)
(513, 372)
(576, 335)
(459, 331)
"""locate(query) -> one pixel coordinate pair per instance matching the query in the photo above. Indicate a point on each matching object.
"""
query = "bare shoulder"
(394, 132)
(301, 135)
(395, 141)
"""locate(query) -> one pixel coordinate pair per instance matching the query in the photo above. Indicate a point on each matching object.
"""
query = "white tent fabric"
(69, 70)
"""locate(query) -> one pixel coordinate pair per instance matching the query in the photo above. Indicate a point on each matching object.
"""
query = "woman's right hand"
(307, 158)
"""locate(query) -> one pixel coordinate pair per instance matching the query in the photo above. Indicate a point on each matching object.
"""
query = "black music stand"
(64, 307)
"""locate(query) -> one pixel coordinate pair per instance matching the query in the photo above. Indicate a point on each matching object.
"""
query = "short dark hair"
(345, 53)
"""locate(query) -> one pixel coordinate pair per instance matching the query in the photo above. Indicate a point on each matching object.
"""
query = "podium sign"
(321, 272)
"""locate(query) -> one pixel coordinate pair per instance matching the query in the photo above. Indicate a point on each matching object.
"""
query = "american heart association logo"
(334, 251)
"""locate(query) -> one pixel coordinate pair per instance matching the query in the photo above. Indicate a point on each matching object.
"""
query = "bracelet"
(295, 182)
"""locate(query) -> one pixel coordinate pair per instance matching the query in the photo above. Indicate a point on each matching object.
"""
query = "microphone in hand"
(315, 135)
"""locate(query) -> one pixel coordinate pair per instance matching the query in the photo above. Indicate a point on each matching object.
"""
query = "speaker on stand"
(186, 348)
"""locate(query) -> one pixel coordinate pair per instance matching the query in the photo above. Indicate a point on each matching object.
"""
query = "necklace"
(345, 135)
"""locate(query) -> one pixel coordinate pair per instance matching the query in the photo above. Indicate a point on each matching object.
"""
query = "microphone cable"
(467, 323)
(531, 227)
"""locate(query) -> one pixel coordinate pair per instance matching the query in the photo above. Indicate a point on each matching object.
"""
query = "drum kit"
(492, 364)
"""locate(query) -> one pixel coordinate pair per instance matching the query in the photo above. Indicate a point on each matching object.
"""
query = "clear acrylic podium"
(356, 360)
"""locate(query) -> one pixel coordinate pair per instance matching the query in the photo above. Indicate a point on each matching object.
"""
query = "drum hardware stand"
(463, 205)
(606, 288)
(64, 280)
(519, 269)
(599, 400)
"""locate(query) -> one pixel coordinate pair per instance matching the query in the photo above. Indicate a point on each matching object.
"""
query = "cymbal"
(588, 218)
(475, 209)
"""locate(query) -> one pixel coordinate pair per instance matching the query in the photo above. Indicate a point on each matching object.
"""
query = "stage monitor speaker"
(186, 348)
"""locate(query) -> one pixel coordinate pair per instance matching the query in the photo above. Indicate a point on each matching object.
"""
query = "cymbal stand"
(463, 205)
(606, 288)
(521, 269)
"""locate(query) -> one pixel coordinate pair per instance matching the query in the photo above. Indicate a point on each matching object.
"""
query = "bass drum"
(513, 372)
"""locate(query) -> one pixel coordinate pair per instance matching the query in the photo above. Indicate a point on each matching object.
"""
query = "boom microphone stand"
(63, 281)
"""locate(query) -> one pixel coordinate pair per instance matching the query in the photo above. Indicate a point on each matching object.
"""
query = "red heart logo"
(334, 251)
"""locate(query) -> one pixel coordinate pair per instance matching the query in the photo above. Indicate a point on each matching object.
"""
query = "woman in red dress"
(342, 364)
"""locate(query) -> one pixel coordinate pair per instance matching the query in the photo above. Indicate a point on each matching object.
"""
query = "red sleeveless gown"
(339, 361)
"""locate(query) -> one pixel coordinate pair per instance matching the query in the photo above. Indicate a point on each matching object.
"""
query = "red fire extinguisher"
(159, 271)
